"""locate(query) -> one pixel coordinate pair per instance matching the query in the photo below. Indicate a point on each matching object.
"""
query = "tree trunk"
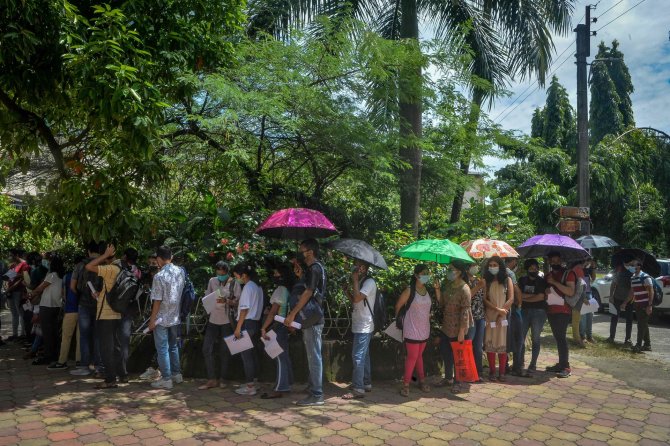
(473, 120)
(410, 122)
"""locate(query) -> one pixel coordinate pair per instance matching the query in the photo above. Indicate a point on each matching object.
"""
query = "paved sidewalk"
(38, 406)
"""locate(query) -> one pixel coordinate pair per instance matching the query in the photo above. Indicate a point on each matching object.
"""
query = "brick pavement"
(590, 408)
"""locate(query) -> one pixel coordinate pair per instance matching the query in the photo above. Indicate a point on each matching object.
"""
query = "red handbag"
(464, 361)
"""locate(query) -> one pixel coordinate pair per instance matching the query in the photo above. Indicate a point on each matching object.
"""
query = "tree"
(537, 123)
(604, 114)
(559, 129)
(618, 71)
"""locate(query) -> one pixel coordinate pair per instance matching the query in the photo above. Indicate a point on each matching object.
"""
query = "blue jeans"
(284, 367)
(360, 353)
(14, 303)
(167, 350)
(312, 339)
(250, 357)
(533, 319)
(90, 350)
(586, 326)
(477, 335)
(514, 339)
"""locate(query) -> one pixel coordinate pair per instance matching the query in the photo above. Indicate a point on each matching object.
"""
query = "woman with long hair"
(498, 299)
(51, 298)
(416, 303)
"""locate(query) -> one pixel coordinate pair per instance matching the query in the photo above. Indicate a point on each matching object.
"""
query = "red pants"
(414, 359)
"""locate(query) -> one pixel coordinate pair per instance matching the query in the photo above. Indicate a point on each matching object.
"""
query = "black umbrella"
(649, 263)
(360, 250)
(596, 241)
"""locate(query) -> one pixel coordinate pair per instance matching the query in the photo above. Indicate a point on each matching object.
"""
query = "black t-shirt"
(315, 279)
(530, 286)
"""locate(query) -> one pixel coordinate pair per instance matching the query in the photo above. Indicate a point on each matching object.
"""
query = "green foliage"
(618, 71)
(605, 116)
(645, 221)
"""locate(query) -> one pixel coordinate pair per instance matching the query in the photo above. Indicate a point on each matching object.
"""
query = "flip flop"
(353, 396)
(271, 396)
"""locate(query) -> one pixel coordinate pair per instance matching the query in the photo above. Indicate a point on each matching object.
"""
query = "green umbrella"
(440, 251)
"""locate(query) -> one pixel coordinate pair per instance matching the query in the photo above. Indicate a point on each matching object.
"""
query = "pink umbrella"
(484, 248)
(297, 223)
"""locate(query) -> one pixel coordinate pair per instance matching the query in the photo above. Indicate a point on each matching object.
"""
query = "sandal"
(353, 395)
(424, 387)
(444, 382)
(492, 378)
(502, 378)
(271, 396)
(103, 386)
(208, 385)
(404, 391)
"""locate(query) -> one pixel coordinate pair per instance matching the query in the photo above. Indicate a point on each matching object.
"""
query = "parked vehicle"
(600, 290)
(664, 281)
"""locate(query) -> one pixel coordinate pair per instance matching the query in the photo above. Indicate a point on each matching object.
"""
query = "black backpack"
(188, 298)
(125, 292)
(378, 311)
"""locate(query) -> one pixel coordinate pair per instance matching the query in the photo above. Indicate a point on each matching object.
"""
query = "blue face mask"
(223, 278)
(631, 269)
(424, 278)
(45, 263)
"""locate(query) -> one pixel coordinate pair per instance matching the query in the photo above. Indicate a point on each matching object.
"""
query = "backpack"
(658, 291)
(188, 297)
(125, 292)
(580, 291)
(378, 312)
(83, 291)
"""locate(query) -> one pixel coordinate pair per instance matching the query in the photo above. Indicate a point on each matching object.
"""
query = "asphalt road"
(659, 332)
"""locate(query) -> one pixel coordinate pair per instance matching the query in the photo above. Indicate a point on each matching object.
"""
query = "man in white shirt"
(363, 295)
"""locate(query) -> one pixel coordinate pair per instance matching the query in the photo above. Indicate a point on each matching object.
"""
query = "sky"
(644, 37)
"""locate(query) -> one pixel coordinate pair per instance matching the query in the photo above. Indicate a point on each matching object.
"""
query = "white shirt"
(361, 319)
(252, 300)
(52, 294)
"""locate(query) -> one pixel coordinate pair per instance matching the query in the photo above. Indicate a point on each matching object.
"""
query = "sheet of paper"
(393, 331)
(589, 307)
(493, 324)
(504, 323)
(612, 309)
(294, 324)
(272, 347)
(11, 274)
(239, 345)
(554, 299)
(209, 301)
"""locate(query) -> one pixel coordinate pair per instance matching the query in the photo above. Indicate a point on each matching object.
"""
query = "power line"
(621, 15)
(609, 9)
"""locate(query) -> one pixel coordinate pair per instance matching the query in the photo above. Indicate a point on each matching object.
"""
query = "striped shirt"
(638, 285)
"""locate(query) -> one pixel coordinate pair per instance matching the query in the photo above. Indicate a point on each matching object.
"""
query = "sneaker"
(162, 384)
(565, 373)
(627, 342)
(636, 349)
(57, 366)
(311, 400)
(532, 368)
(151, 374)
(646, 348)
(369, 388)
(246, 390)
(554, 368)
(610, 340)
(177, 378)
(81, 371)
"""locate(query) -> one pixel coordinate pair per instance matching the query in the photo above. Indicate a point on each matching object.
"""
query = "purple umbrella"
(541, 245)
(297, 223)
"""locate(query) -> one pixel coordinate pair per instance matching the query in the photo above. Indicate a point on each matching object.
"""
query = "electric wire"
(621, 15)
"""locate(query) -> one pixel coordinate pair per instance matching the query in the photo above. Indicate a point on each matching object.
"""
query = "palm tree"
(507, 38)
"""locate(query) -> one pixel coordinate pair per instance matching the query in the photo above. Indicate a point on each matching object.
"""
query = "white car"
(600, 290)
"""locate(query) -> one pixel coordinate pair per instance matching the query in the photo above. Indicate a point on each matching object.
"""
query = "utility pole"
(583, 51)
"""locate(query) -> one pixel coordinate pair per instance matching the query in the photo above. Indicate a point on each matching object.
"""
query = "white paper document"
(294, 324)
(272, 347)
(504, 323)
(554, 299)
(393, 331)
(612, 309)
(589, 307)
(492, 324)
(209, 301)
(239, 345)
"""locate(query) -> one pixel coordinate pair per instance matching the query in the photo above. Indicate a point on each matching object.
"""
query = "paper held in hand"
(272, 347)
(209, 301)
(393, 331)
(239, 345)
(294, 324)
(589, 307)
(553, 298)
(11, 274)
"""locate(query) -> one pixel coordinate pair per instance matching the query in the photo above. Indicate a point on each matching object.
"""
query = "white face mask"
(494, 270)
(424, 278)
(451, 276)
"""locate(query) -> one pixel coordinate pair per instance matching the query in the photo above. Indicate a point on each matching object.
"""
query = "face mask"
(631, 269)
(494, 270)
(300, 256)
(473, 270)
(223, 278)
(451, 276)
(277, 280)
(240, 281)
(45, 263)
(424, 278)
(532, 274)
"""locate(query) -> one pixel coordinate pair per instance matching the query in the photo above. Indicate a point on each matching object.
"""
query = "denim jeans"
(214, 334)
(284, 367)
(360, 354)
(628, 314)
(533, 320)
(125, 329)
(167, 350)
(88, 344)
(14, 303)
(477, 336)
(559, 327)
(586, 326)
(107, 331)
(515, 339)
(311, 337)
(250, 357)
(49, 324)
(447, 355)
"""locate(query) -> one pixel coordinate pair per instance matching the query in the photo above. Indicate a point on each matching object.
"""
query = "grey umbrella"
(358, 249)
(596, 241)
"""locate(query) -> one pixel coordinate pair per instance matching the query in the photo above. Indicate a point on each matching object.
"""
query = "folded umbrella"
(596, 241)
(541, 245)
(358, 249)
(439, 251)
(297, 224)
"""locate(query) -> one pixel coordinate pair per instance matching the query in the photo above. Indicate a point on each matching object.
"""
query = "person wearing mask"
(479, 316)
(15, 291)
(416, 302)
(219, 325)
(315, 279)
(641, 296)
(39, 267)
(562, 282)
(586, 321)
(69, 326)
(514, 340)
(619, 293)
(498, 299)
(283, 278)
(534, 310)
(457, 321)
(362, 296)
(50, 293)
(249, 312)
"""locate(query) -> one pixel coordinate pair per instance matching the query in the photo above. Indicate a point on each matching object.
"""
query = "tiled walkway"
(590, 408)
